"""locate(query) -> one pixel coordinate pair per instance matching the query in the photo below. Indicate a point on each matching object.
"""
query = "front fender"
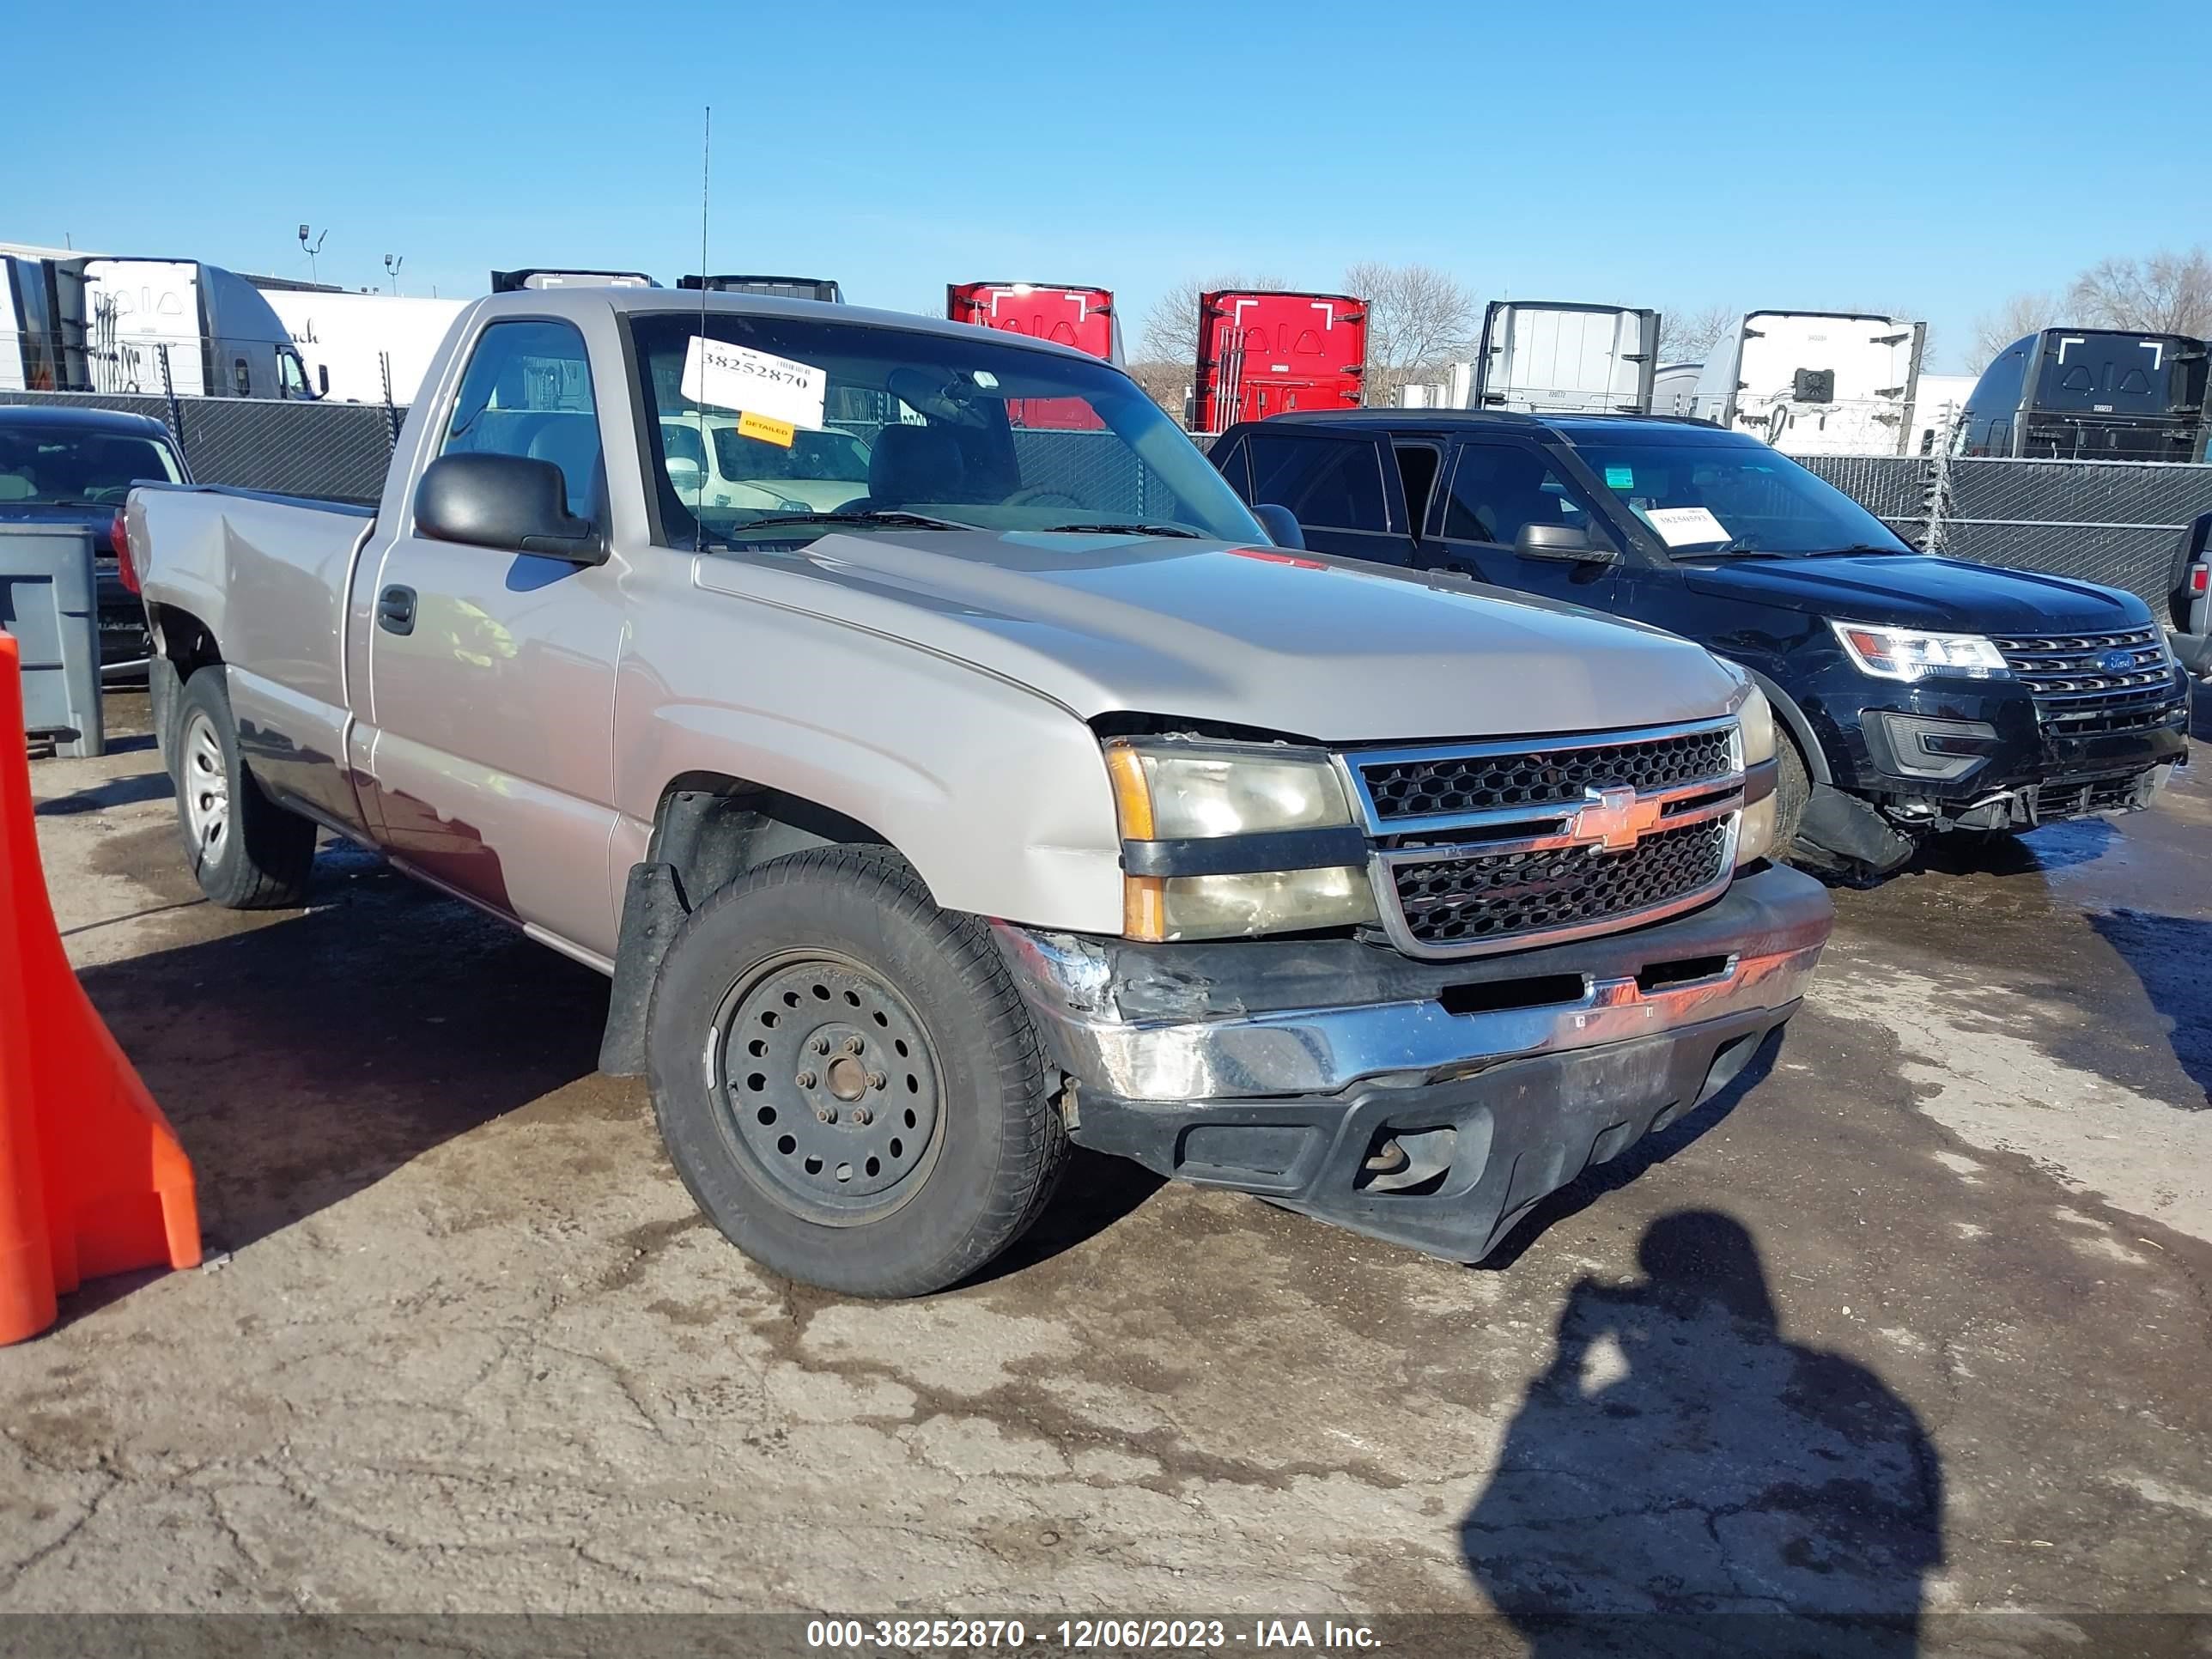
(997, 796)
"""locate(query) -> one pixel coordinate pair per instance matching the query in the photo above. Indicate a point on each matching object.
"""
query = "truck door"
(1495, 490)
(491, 673)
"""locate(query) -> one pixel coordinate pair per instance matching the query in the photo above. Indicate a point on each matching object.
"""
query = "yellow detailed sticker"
(780, 433)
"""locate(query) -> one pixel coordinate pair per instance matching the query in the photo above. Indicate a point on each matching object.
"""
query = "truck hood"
(1248, 636)
(1913, 591)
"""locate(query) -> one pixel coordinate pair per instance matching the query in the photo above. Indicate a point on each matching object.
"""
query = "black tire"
(824, 947)
(247, 853)
(1793, 787)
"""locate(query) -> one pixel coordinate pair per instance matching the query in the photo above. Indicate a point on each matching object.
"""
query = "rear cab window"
(70, 465)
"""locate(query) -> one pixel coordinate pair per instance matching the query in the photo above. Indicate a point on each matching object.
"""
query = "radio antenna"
(699, 490)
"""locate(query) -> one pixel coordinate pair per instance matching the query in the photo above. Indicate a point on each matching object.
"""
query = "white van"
(216, 331)
(351, 342)
(1816, 382)
(1557, 357)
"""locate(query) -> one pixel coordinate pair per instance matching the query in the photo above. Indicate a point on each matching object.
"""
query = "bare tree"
(1419, 318)
(1166, 383)
(2023, 314)
(2167, 293)
(1689, 337)
(1170, 334)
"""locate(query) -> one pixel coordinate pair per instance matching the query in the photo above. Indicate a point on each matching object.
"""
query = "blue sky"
(1932, 158)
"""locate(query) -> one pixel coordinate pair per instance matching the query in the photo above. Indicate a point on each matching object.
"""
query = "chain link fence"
(2117, 522)
(341, 450)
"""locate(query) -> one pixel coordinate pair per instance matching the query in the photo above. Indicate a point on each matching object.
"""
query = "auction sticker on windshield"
(755, 382)
(1683, 526)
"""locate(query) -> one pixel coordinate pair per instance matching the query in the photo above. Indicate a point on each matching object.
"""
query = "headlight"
(1754, 836)
(1180, 790)
(1907, 654)
(1167, 907)
(1171, 790)
(1755, 716)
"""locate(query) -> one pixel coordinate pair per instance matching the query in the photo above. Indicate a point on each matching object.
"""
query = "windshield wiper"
(1121, 530)
(885, 515)
(1729, 551)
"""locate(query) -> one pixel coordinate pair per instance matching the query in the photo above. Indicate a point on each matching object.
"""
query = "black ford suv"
(1921, 695)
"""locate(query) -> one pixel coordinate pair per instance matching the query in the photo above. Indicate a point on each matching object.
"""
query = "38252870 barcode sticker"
(725, 376)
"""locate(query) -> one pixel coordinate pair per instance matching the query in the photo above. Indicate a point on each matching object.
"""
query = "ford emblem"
(2116, 662)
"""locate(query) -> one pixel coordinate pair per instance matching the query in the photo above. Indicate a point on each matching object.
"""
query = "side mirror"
(1280, 524)
(323, 378)
(1561, 541)
(506, 501)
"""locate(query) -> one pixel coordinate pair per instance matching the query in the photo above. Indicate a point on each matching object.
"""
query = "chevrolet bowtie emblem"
(1614, 818)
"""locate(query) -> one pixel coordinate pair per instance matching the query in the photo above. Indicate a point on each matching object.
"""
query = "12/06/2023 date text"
(1086, 1635)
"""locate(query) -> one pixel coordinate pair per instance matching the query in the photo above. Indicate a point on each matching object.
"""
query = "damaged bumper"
(1430, 1104)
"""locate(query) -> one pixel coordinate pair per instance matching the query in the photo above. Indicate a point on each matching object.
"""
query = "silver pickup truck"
(946, 766)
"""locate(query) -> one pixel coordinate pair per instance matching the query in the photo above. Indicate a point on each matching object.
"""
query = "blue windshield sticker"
(1620, 477)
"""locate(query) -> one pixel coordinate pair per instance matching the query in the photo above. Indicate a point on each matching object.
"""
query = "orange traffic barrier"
(92, 1179)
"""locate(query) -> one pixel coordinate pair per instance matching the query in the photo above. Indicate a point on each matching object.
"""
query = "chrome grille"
(1503, 846)
(1485, 898)
(1486, 781)
(2082, 687)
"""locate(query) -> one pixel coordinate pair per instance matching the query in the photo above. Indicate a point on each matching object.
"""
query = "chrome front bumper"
(1080, 990)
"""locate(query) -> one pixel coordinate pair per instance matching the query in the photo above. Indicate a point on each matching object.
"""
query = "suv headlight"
(1755, 735)
(1224, 840)
(1910, 654)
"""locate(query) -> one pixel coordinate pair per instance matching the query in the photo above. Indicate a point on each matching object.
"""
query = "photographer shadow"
(1684, 1478)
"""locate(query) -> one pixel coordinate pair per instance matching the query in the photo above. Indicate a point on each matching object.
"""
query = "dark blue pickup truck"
(74, 466)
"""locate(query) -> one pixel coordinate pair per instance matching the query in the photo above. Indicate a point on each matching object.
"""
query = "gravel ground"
(1915, 1318)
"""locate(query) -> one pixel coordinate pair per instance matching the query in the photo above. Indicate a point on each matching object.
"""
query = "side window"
(1327, 483)
(1229, 460)
(1497, 488)
(528, 392)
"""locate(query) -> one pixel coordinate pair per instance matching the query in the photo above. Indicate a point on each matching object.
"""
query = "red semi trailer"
(1070, 316)
(1079, 317)
(1263, 353)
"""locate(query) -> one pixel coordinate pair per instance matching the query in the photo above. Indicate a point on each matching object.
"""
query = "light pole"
(392, 263)
(311, 249)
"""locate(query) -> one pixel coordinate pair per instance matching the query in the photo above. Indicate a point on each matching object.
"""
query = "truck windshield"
(810, 425)
(60, 466)
(1718, 499)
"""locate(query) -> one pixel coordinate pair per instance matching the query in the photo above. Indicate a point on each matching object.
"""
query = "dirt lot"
(1917, 1318)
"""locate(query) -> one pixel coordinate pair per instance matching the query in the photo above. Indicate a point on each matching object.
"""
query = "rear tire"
(846, 1080)
(247, 853)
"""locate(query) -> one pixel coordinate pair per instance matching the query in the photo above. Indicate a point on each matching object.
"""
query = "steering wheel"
(1037, 494)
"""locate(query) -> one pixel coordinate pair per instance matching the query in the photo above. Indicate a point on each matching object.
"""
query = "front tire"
(846, 1080)
(1793, 788)
(247, 853)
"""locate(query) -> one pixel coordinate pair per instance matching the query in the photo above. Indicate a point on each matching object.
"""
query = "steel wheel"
(205, 785)
(827, 1086)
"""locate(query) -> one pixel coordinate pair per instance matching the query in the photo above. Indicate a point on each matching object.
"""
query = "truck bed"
(268, 576)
